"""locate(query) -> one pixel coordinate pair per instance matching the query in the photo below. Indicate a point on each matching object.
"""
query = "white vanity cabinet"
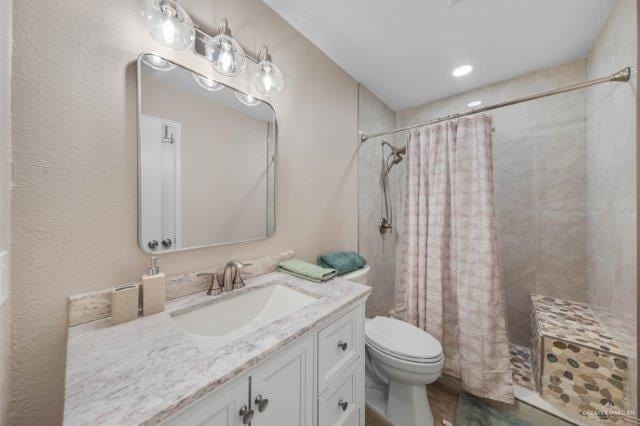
(317, 380)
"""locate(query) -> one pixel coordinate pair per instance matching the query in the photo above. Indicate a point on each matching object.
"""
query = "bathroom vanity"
(281, 351)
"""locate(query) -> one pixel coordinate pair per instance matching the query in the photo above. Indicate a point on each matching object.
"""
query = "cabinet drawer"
(339, 344)
(339, 405)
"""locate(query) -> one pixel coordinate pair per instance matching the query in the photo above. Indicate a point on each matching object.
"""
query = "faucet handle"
(214, 288)
(238, 282)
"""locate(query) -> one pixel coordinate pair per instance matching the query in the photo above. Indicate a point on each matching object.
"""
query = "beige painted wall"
(5, 196)
(611, 180)
(539, 176)
(74, 205)
(223, 166)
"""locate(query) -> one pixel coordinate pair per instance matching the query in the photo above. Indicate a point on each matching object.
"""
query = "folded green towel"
(308, 271)
(342, 261)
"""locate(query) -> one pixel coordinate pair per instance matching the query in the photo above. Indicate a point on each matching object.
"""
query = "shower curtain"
(450, 269)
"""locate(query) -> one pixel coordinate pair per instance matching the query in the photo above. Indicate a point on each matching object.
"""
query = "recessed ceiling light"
(474, 103)
(463, 70)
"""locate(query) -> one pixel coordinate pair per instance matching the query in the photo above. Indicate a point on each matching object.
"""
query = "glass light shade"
(226, 55)
(267, 79)
(169, 24)
(207, 83)
(248, 100)
(157, 63)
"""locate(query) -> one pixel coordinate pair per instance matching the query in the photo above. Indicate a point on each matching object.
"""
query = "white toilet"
(401, 361)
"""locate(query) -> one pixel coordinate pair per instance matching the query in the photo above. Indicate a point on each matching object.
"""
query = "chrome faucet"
(230, 279)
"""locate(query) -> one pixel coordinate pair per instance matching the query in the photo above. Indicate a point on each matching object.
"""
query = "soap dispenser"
(153, 288)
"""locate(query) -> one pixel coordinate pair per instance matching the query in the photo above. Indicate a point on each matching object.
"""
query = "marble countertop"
(143, 371)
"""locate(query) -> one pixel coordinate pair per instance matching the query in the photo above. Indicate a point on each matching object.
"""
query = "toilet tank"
(359, 276)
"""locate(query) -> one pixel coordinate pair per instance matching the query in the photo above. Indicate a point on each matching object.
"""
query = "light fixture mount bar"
(205, 35)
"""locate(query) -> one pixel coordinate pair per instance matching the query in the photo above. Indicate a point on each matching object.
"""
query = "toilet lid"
(403, 339)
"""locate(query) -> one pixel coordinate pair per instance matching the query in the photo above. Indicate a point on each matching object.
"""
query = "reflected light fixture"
(248, 100)
(157, 63)
(474, 104)
(169, 24)
(461, 71)
(267, 78)
(207, 83)
(225, 52)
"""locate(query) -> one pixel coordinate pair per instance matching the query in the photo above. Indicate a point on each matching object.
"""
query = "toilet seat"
(402, 341)
(402, 357)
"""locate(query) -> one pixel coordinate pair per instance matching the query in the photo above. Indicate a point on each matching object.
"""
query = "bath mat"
(473, 412)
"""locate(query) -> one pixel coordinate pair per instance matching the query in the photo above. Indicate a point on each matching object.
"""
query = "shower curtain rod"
(620, 76)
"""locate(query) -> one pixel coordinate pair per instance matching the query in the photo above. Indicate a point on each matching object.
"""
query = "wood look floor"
(443, 405)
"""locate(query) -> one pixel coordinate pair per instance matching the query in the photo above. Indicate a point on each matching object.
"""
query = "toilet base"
(400, 404)
(408, 405)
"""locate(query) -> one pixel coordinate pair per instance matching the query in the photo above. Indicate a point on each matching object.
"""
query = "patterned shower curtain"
(450, 268)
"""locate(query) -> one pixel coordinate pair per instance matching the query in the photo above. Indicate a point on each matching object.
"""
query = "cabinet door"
(220, 408)
(286, 382)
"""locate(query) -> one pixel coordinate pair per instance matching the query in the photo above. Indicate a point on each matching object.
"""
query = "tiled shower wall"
(379, 249)
(611, 180)
(540, 185)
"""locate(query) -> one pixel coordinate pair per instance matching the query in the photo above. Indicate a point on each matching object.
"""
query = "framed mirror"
(206, 160)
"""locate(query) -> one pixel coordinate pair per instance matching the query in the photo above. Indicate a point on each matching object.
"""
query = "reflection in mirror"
(206, 159)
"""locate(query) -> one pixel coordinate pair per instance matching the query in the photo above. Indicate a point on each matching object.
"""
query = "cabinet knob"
(246, 414)
(167, 243)
(153, 244)
(342, 345)
(262, 403)
(343, 405)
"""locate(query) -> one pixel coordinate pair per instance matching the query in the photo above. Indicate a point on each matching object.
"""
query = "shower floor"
(521, 365)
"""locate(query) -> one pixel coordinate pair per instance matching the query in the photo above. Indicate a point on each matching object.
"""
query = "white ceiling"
(404, 50)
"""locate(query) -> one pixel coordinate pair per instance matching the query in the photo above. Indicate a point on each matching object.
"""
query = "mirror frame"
(273, 229)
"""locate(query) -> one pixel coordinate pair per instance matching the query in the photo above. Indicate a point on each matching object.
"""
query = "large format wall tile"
(513, 153)
(561, 251)
(379, 249)
(539, 165)
(611, 179)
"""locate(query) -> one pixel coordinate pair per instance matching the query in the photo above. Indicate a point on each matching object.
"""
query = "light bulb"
(226, 62)
(248, 100)
(226, 55)
(157, 63)
(169, 24)
(207, 83)
(474, 104)
(267, 78)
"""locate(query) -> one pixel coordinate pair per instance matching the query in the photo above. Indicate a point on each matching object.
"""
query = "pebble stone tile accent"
(521, 365)
(577, 366)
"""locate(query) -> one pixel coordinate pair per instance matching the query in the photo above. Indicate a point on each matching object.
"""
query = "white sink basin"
(220, 323)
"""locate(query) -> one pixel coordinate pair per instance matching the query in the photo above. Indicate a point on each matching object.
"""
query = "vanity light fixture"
(248, 100)
(267, 78)
(474, 104)
(225, 52)
(157, 63)
(207, 83)
(169, 24)
(462, 71)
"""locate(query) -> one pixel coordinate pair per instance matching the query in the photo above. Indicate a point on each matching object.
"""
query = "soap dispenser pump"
(153, 289)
